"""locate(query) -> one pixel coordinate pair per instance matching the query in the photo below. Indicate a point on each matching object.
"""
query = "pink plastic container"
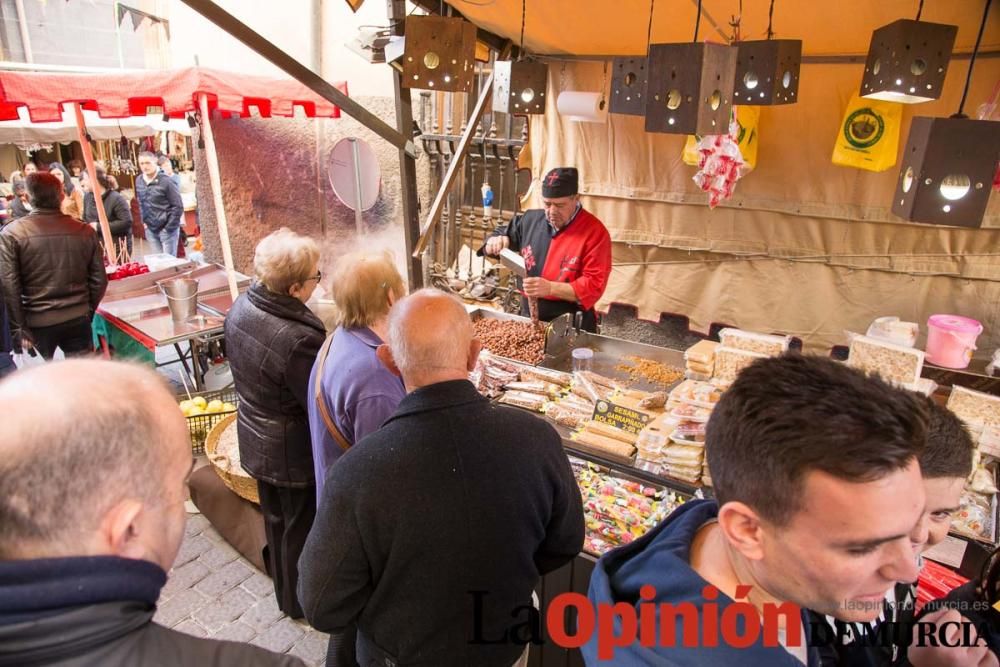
(951, 339)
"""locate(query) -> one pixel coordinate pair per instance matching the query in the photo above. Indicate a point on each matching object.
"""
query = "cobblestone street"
(212, 591)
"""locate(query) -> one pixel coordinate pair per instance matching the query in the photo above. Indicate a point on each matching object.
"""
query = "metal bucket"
(182, 297)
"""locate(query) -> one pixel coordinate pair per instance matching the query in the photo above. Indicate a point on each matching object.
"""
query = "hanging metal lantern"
(947, 171)
(439, 53)
(907, 61)
(767, 71)
(519, 86)
(689, 88)
(628, 86)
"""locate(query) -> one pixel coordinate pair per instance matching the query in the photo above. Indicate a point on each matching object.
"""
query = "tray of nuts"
(509, 336)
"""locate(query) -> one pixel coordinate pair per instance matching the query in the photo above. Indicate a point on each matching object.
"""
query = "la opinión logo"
(572, 621)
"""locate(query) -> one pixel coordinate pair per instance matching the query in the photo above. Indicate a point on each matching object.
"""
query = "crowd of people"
(409, 517)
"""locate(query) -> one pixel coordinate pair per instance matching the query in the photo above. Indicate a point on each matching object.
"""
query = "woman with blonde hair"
(351, 391)
(271, 341)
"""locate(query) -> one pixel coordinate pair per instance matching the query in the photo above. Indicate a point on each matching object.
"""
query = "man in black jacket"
(160, 204)
(91, 518)
(432, 532)
(115, 207)
(52, 274)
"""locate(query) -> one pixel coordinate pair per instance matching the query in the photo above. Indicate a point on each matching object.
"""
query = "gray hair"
(415, 349)
(63, 468)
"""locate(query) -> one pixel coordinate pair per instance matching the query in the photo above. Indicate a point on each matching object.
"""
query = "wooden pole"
(88, 158)
(216, 182)
(485, 95)
(407, 163)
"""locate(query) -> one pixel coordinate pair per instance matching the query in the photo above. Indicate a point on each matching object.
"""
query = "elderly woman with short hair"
(272, 340)
(356, 393)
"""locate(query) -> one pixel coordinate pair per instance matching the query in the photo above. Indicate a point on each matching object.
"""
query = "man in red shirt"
(566, 250)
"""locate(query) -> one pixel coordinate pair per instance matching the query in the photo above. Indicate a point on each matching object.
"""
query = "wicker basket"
(242, 485)
(200, 425)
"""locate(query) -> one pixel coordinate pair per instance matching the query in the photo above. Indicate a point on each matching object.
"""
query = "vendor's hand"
(495, 244)
(537, 287)
(952, 655)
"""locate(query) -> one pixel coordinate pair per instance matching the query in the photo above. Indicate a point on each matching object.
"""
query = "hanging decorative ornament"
(721, 164)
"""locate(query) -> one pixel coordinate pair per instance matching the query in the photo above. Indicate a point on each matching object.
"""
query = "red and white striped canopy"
(173, 92)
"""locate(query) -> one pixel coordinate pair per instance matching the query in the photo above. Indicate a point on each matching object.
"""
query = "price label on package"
(620, 417)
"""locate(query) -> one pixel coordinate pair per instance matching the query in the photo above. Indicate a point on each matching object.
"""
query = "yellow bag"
(868, 137)
(747, 118)
(690, 155)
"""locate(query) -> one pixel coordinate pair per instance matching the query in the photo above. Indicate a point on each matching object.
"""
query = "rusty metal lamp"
(907, 60)
(767, 70)
(439, 53)
(520, 86)
(947, 168)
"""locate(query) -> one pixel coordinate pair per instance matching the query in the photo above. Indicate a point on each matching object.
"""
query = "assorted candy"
(618, 510)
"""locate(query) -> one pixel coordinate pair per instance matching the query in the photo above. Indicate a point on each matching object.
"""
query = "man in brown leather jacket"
(51, 273)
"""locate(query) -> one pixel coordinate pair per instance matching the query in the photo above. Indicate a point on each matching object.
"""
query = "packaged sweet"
(893, 330)
(529, 373)
(566, 415)
(694, 375)
(895, 363)
(604, 445)
(975, 407)
(974, 516)
(543, 388)
(989, 442)
(690, 430)
(683, 455)
(601, 381)
(688, 412)
(699, 394)
(523, 400)
(702, 352)
(582, 386)
(751, 341)
(700, 369)
(730, 361)
(982, 481)
(610, 432)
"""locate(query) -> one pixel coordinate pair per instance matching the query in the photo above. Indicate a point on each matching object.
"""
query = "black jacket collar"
(437, 397)
(283, 306)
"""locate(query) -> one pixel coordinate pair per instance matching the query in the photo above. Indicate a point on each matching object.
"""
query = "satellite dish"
(354, 173)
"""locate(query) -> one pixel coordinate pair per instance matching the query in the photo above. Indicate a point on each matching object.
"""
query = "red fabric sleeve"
(596, 270)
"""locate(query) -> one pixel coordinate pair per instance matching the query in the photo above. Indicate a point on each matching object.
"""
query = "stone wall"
(275, 174)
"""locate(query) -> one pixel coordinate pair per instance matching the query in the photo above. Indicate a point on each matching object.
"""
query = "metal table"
(144, 316)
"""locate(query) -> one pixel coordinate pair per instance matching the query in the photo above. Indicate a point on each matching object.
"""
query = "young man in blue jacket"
(818, 496)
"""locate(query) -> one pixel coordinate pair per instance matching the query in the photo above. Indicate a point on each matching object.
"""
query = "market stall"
(134, 318)
(632, 418)
(193, 92)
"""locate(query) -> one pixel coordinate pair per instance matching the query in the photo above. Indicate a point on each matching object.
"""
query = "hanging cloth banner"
(355, 5)
(869, 135)
(138, 16)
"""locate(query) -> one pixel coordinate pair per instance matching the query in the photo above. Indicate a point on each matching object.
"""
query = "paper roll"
(582, 107)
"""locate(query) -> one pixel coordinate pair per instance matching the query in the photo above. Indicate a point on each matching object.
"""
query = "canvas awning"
(587, 27)
(25, 133)
(174, 92)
